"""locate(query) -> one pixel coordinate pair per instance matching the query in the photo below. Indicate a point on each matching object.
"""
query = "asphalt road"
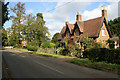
(24, 65)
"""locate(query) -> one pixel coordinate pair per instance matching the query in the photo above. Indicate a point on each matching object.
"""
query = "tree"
(34, 30)
(114, 26)
(54, 38)
(88, 42)
(17, 22)
(40, 31)
(4, 12)
(4, 37)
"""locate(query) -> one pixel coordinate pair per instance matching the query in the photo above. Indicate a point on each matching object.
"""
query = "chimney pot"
(78, 16)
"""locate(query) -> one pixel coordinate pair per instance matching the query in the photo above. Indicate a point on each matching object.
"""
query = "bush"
(98, 45)
(103, 54)
(33, 43)
(32, 48)
(65, 51)
(48, 45)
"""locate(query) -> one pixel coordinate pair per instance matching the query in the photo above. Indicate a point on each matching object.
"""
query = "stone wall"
(102, 39)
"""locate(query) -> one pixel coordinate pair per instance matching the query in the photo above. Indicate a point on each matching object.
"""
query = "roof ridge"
(93, 19)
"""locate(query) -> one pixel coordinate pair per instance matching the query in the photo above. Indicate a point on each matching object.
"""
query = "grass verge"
(44, 54)
(104, 66)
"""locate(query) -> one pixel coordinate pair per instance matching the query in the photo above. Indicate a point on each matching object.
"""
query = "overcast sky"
(56, 12)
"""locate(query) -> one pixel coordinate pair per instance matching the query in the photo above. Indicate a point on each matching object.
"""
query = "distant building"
(96, 28)
(24, 43)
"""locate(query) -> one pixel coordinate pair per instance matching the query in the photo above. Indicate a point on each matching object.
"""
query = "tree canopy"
(5, 12)
(114, 26)
(26, 26)
(54, 38)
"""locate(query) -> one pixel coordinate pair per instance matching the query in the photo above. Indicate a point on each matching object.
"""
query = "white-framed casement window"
(68, 35)
(103, 32)
(77, 34)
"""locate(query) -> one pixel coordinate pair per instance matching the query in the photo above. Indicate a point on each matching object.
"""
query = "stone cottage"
(96, 28)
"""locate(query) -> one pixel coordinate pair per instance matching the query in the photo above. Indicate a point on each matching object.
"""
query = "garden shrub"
(33, 43)
(103, 54)
(48, 45)
(64, 51)
(98, 45)
(32, 48)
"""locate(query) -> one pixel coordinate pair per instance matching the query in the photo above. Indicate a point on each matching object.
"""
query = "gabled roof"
(61, 33)
(90, 27)
(71, 27)
(80, 25)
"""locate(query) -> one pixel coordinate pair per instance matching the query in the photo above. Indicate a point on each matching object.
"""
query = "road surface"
(24, 65)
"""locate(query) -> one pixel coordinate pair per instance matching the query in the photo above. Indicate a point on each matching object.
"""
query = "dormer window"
(103, 32)
(77, 34)
(68, 35)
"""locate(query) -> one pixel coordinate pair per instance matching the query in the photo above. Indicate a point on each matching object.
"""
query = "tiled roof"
(90, 27)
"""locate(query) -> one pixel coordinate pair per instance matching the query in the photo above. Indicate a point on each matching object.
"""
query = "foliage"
(4, 12)
(103, 54)
(114, 26)
(108, 67)
(98, 45)
(65, 42)
(88, 42)
(17, 22)
(4, 37)
(111, 43)
(32, 28)
(54, 38)
(32, 48)
(57, 44)
(33, 43)
(65, 51)
(38, 33)
(48, 45)
(44, 54)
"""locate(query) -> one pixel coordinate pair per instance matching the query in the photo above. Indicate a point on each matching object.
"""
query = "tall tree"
(40, 30)
(35, 30)
(4, 12)
(27, 30)
(114, 26)
(4, 37)
(54, 38)
(17, 21)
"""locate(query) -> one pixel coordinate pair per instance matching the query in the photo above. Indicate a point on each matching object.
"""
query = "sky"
(56, 12)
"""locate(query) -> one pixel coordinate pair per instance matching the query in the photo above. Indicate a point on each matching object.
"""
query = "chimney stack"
(78, 17)
(104, 13)
(66, 22)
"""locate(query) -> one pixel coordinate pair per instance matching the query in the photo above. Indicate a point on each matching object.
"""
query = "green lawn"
(44, 54)
(108, 67)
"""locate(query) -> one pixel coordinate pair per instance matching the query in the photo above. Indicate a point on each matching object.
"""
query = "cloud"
(112, 12)
(29, 11)
(56, 19)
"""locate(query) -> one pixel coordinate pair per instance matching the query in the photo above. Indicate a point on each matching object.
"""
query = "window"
(68, 35)
(77, 34)
(103, 32)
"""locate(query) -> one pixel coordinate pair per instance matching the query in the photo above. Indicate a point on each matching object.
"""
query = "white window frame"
(103, 32)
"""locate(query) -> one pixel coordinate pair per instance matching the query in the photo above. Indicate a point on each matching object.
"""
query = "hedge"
(32, 48)
(103, 54)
